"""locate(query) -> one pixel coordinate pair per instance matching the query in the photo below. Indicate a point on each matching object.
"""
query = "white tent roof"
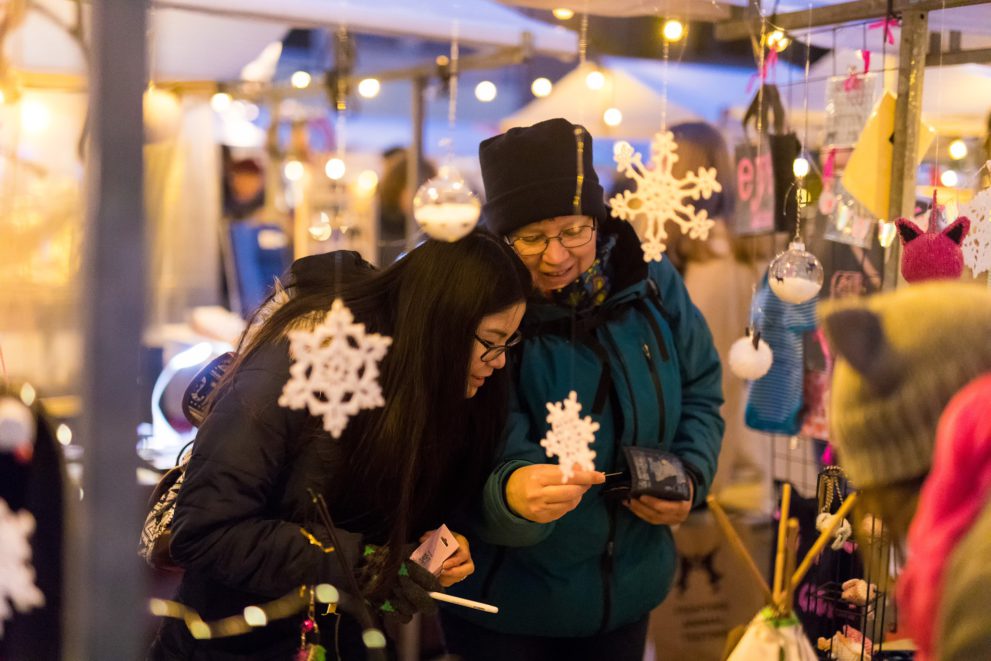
(572, 99)
(695, 92)
(213, 39)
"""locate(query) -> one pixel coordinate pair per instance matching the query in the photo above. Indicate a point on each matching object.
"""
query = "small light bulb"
(485, 91)
(335, 169)
(221, 101)
(958, 150)
(369, 88)
(541, 87)
(28, 394)
(673, 30)
(563, 14)
(63, 434)
(778, 41)
(800, 167)
(300, 80)
(949, 178)
(293, 170)
(595, 80)
(612, 117)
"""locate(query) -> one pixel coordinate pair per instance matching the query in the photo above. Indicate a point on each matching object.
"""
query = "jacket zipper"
(609, 551)
(658, 389)
(608, 558)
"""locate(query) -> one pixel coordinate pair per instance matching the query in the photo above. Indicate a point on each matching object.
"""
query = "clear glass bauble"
(795, 275)
(445, 207)
(321, 228)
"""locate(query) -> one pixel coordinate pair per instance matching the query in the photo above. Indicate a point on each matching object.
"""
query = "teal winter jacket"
(644, 367)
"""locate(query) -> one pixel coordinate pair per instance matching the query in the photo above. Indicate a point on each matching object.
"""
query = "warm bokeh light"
(673, 30)
(293, 170)
(541, 87)
(595, 80)
(221, 101)
(958, 150)
(35, 117)
(369, 88)
(563, 14)
(335, 169)
(612, 117)
(367, 181)
(800, 167)
(949, 178)
(485, 91)
(778, 40)
(300, 80)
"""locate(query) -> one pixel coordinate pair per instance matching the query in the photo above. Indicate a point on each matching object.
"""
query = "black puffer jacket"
(242, 511)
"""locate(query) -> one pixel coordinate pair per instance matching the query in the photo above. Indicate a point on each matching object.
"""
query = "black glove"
(408, 593)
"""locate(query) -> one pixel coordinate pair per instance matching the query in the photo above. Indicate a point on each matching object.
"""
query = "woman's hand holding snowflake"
(536, 492)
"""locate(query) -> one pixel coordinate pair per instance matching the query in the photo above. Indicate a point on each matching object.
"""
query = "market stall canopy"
(639, 103)
(214, 39)
(695, 92)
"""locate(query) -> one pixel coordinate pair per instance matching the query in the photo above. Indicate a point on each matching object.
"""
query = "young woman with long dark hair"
(245, 529)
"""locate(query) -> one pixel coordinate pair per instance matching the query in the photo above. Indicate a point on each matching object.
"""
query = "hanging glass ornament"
(445, 207)
(321, 229)
(795, 275)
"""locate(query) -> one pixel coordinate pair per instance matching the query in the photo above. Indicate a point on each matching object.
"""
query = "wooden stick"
(824, 538)
(737, 545)
(784, 604)
(779, 556)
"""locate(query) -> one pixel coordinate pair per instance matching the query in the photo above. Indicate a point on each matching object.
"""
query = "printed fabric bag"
(764, 168)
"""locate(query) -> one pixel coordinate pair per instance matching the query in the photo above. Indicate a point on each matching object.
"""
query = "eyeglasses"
(534, 244)
(493, 351)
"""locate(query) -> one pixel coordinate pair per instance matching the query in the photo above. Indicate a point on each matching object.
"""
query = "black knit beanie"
(531, 174)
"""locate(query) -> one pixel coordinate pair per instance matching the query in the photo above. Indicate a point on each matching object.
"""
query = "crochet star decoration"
(17, 588)
(977, 244)
(660, 196)
(335, 369)
(570, 436)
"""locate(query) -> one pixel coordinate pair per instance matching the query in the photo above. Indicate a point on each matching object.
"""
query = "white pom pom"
(16, 424)
(747, 362)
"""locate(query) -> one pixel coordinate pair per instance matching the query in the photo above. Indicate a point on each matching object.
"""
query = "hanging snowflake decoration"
(335, 369)
(17, 586)
(570, 436)
(977, 244)
(662, 197)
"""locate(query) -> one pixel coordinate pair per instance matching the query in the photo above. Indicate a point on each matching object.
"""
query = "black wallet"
(650, 472)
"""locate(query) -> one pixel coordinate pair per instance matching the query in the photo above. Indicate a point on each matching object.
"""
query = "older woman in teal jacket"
(573, 571)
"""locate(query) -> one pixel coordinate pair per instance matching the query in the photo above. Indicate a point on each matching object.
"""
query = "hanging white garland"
(335, 369)
(660, 196)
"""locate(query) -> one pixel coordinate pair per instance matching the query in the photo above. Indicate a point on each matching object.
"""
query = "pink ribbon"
(829, 164)
(886, 24)
(855, 80)
(770, 60)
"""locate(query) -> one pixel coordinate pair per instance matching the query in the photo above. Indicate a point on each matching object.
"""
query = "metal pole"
(106, 586)
(414, 156)
(908, 113)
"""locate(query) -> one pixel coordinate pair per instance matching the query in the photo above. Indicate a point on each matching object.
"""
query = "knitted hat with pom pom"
(901, 356)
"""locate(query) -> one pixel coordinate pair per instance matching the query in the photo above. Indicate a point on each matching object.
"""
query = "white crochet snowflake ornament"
(977, 244)
(335, 369)
(570, 436)
(660, 196)
(17, 588)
